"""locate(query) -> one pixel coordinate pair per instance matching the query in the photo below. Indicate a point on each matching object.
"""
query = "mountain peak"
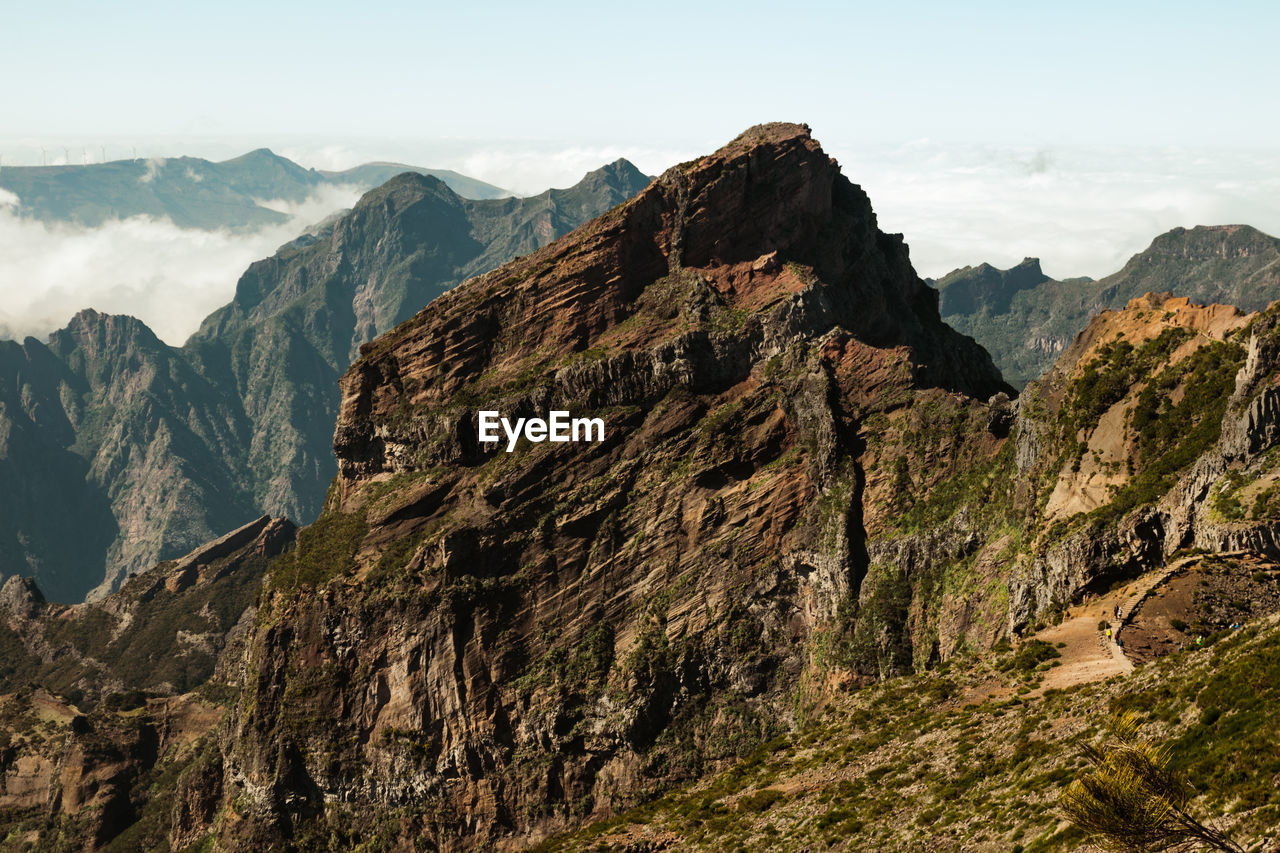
(769, 134)
(264, 172)
(621, 172)
(259, 155)
(771, 189)
(785, 140)
(408, 187)
(90, 323)
(1209, 242)
(736, 329)
(765, 221)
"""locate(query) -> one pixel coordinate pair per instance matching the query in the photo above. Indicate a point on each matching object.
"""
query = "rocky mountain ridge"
(1025, 319)
(238, 194)
(157, 448)
(809, 481)
(629, 611)
(809, 484)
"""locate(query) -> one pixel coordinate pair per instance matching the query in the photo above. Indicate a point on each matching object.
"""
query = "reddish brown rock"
(521, 641)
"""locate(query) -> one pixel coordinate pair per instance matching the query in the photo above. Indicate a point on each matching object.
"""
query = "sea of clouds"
(169, 277)
(1081, 210)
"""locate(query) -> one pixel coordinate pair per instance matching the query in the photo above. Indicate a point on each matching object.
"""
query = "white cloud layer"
(1082, 211)
(169, 277)
(523, 167)
(530, 170)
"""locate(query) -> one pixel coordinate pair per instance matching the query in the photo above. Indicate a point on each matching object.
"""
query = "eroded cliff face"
(514, 642)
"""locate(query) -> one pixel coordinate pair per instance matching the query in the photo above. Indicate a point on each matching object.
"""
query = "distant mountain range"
(1025, 319)
(379, 172)
(154, 449)
(197, 193)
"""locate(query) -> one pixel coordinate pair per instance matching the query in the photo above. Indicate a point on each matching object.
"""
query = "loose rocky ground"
(1206, 595)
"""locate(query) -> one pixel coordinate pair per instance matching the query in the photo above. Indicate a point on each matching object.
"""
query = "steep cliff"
(513, 642)
(155, 449)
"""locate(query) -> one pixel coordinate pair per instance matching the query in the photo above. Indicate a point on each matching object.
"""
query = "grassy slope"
(908, 765)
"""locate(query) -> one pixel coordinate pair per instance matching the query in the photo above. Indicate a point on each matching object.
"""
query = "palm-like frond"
(1132, 800)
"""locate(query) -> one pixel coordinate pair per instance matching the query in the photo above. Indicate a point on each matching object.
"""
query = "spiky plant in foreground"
(1132, 800)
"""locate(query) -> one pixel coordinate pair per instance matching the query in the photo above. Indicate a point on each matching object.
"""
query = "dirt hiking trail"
(1089, 654)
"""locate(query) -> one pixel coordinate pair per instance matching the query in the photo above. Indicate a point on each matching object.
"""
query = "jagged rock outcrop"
(265, 537)
(513, 642)
(20, 598)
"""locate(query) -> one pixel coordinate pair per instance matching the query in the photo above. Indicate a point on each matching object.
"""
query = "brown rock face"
(82, 754)
(507, 644)
(766, 222)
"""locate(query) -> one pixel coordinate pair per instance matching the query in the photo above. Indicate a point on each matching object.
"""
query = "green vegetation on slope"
(914, 764)
(1171, 436)
(325, 549)
(1110, 375)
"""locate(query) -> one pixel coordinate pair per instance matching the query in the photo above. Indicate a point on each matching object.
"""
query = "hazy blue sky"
(661, 72)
